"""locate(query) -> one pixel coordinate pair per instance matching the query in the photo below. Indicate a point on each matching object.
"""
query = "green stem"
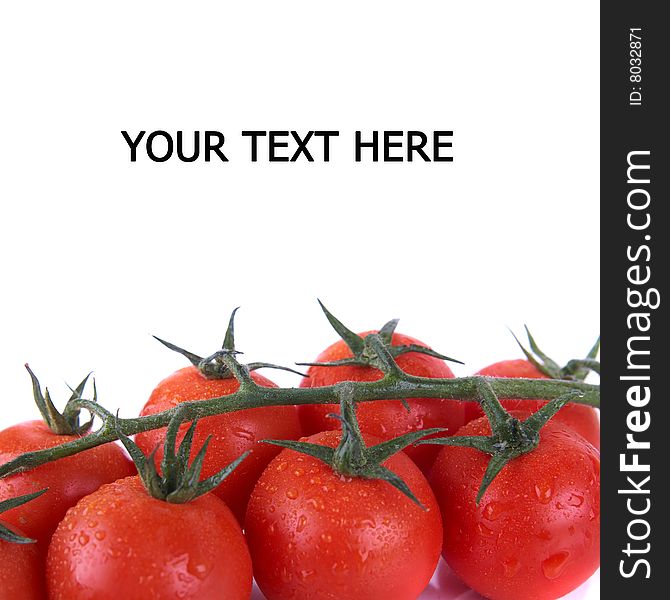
(251, 395)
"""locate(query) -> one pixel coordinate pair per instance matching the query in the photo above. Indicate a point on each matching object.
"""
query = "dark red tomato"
(119, 542)
(583, 419)
(385, 418)
(536, 531)
(21, 571)
(316, 535)
(233, 433)
(68, 479)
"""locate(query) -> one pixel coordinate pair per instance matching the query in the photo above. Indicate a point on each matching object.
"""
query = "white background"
(98, 252)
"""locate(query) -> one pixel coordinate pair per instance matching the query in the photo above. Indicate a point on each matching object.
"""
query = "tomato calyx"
(178, 482)
(215, 366)
(362, 353)
(7, 534)
(67, 422)
(510, 437)
(574, 370)
(351, 457)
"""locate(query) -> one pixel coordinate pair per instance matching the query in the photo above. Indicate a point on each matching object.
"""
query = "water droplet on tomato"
(316, 503)
(484, 530)
(302, 522)
(553, 566)
(198, 569)
(339, 567)
(306, 573)
(326, 537)
(292, 494)
(244, 434)
(575, 500)
(364, 553)
(493, 510)
(543, 492)
(511, 567)
(299, 472)
(100, 535)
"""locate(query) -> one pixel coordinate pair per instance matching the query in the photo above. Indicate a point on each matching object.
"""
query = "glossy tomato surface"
(582, 419)
(536, 532)
(68, 479)
(316, 535)
(119, 542)
(232, 433)
(21, 571)
(385, 418)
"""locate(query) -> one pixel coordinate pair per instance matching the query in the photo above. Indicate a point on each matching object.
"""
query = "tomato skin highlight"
(119, 542)
(536, 532)
(233, 433)
(579, 417)
(385, 419)
(68, 479)
(316, 535)
(21, 571)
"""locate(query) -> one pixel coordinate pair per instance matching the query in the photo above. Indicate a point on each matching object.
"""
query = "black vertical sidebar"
(635, 260)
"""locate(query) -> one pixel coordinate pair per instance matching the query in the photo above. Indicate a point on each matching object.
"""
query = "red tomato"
(583, 419)
(119, 542)
(536, 531)
(21, 571)
(385, 418)
(68, 479)
(316, 535)
(233, 433)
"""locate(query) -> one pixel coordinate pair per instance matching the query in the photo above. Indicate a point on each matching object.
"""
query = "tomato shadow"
(446, 586)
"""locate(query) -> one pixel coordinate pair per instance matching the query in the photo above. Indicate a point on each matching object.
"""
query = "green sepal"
(384, 474)
(574, 370)
(387, 331)
(550, 365)
(361, 348)
(211, 483)
(323, 453)
(178, 481)
(353, 340)
(6, 534)
(352, 458)
(215, 366)
(343, 362)
(579, 369)
(477, 442)
(495, 465)
(229, 339)
(510, 437)
(194, 359)
(67, 422)
(384, 450)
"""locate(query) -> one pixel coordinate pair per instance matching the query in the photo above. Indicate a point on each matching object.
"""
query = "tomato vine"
(374, 349)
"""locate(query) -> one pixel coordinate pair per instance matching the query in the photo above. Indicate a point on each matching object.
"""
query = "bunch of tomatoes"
(291, 521)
